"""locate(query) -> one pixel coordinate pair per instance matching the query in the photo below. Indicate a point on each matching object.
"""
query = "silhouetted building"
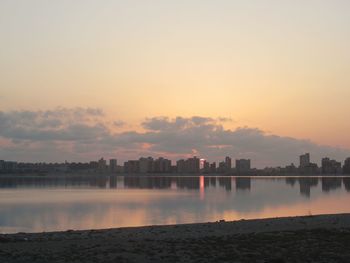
(304, 160)
(162, 165)
(206, 167)
(113, 165)
(191, 165)
(213, 167)
(228, 163)
(146, 165)
(346, 167)
(222, 167)
(102, 165)
(132, 166)
(180, 165)
(243, 166)
(306, 167)
(330, 166)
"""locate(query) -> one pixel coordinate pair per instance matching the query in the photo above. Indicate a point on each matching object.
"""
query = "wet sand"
(324, 238)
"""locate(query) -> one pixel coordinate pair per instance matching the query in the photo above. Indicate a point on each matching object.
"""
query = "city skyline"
(191, 165)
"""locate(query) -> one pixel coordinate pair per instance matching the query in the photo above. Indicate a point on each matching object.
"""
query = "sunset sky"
(266, 80)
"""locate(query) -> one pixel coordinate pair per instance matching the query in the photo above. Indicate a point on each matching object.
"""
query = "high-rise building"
(113, 165)
(213, 167)
(206, 166)
(180, 166)
(228, 163)
(191, 165)
(330, 166)
(304, 160)
(162, 165)
(2, 165)
(146, 165)
(102, 165)
(132, 166)
(346, 167)
(243, 165)
(307, 167)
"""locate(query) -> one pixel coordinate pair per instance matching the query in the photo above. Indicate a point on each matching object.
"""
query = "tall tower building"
(304, 160)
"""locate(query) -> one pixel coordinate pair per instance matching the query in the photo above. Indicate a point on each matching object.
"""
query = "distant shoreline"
(321, 238)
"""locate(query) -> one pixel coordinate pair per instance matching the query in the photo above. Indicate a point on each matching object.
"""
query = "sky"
(266, 80)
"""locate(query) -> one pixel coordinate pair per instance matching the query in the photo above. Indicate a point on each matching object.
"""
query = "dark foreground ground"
(300, 239)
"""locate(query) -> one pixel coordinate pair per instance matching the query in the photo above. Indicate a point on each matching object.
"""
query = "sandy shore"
(324, 238)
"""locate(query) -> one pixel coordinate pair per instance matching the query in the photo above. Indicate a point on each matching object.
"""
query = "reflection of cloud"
(84, 133)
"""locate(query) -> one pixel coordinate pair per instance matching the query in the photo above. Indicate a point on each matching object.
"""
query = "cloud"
(83, 134)
(60, 124)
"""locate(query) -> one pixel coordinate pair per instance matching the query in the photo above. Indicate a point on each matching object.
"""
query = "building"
(146, 165)
(132, 166)
(102, 165)
(162, 165)
(191, 165)
(2, 165)
(206, 166)
(330, 166)
(306, 167)
(113, 165)
(304, 160)
(180, 166)
(346, 167)
(243, 166)
(291, 169)
(213, 167)
(222, 167)
(228, 163)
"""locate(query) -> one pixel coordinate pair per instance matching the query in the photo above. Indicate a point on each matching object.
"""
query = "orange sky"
(282, 67)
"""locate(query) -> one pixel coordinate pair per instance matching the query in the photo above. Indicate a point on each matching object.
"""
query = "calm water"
(35, 204)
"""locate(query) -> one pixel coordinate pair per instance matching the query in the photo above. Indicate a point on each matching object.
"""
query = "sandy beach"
(323, 238)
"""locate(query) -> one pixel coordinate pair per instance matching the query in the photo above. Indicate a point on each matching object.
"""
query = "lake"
(36, 204)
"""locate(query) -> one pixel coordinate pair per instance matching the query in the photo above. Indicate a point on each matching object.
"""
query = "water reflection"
(163, 182)
(80, 202)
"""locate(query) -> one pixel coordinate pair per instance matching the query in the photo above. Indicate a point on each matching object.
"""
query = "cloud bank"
(83, 134)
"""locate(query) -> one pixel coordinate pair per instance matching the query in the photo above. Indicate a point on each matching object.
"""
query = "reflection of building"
(225, 182)
(346, 167)
(243, 183)
(330, 183)
(113, 181)
(306, 184)
(291, 180)
(242, 166)
(346, 182)
(330, 166)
